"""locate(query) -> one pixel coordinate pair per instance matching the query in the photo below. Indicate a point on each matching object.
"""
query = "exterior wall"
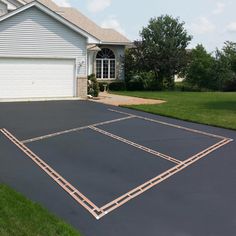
(119, 52)
(33, 33)
(82, 84)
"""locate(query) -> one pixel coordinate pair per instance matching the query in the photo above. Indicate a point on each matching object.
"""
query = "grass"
(19, 216)
(211, 108)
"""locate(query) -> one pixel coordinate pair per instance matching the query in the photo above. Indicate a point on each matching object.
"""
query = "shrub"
(186, 87)
(136, 83)
(229, 86)
(101, 86)
(135, 86)
(93, 86)
(153, 85)
(117, 86)
(144, 81)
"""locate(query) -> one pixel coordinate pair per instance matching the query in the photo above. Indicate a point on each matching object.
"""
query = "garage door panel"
(36, 78)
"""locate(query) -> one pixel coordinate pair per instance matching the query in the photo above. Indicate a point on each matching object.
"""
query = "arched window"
(106, 64)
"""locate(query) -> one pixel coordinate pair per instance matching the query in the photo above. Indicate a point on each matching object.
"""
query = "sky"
(210, 22)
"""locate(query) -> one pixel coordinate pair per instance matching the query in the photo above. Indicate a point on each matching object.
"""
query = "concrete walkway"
(117, 100)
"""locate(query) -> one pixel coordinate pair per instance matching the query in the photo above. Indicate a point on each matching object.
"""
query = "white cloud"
(63, 3)
(98, 5)
(112, 22)
(220, 6)
(202, 26)
(231, 27)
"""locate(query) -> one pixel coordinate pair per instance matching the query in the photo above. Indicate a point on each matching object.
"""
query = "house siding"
(33, 33)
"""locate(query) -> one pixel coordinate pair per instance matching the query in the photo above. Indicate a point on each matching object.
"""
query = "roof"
(55, 15)
(48, 3)
(93, 47)
(109, 36)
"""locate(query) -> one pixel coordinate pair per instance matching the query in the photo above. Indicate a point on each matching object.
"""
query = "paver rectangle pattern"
(91, 207)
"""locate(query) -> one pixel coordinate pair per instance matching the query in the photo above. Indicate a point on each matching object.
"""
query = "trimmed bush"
(143, 81)
(229, 86)
(186, 87)
(101, 86)
(93, 86)
(153, 85)
(135, 86)
(117, 86)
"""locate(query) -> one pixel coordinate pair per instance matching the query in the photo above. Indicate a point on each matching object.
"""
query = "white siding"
(34, 33)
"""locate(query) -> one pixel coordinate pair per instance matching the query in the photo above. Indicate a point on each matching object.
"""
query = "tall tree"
(199, 71)
(163, 47)
(133, 60)
(225, 67)
(229, 52)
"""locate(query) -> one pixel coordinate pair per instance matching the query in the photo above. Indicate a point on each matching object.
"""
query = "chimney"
(3, 8)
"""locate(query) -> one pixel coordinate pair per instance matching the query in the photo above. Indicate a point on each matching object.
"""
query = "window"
(105, 64)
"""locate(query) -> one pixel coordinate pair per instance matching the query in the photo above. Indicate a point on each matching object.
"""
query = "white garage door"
(36, 78)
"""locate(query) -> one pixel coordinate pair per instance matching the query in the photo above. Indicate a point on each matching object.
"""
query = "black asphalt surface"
(177, 143)
(100, 167)
(199, 201)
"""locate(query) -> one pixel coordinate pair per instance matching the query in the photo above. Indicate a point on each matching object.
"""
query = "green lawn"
(212, 108)
(19, 216)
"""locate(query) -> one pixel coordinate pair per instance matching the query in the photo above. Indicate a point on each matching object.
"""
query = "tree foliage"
(229, 54)
(162, 53)
(226, 67)
(164, 46)
(215, 72)
(162, 49)
(199, 71)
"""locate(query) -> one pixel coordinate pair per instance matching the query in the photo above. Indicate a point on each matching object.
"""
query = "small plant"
(93, 86)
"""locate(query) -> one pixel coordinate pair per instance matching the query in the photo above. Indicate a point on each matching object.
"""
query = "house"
(47, 51)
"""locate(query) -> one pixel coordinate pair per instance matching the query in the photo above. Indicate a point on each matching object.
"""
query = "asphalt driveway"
(105, 152)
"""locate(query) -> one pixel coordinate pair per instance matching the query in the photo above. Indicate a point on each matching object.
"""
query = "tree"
(229, 52)
(225, 67)
(133, 65)
(163, 47)
(199, 71)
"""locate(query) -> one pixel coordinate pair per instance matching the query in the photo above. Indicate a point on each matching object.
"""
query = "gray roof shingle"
(83, 22)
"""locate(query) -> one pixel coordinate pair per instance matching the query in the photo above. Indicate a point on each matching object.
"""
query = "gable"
(34, 33)
(78, 19)
(48, 11)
